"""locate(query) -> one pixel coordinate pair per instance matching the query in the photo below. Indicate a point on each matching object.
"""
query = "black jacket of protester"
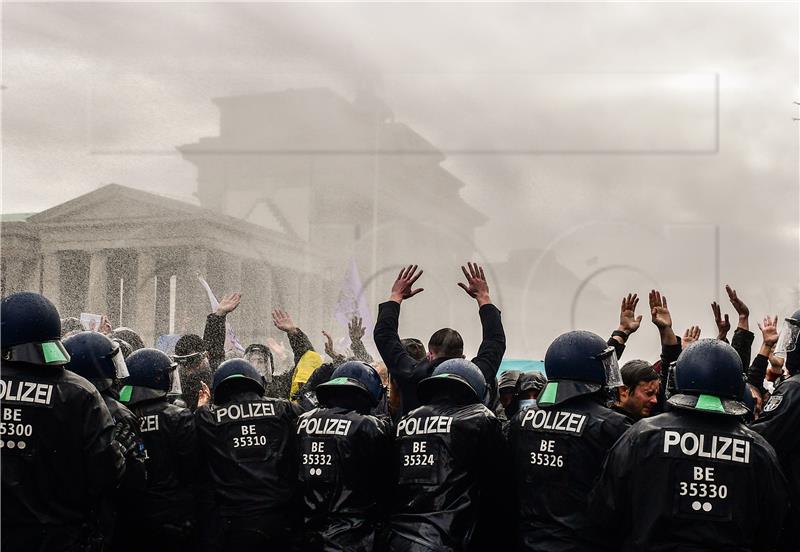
(407, 372)
(169, 437)
(779, 424)
(249, 446)
(557, 453)
(344, 474)
(691, 481)
(57, 457)
(447, 460)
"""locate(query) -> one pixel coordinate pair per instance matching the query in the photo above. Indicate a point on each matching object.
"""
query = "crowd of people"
(108, 444)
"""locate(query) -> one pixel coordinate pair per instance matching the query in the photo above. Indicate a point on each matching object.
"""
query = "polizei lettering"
(324, 426)
(234, 412)
(714, 447)
(424, 426)
(26, 392)
(554, 421)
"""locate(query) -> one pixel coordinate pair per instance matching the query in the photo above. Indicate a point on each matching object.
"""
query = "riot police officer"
(344, 454)
(56, 447)
(447, 455)
(558, 446)
(780, 420)
(249, 443)
(166, 508)
(694, 478)
(100, 360)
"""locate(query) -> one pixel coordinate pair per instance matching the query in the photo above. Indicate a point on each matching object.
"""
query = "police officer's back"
(558, 446)
(248, 441)
(779, 423)
(694, 478)
(447, 454)
(100, 360)
(344, 461)
(167, 507)
(56, 450)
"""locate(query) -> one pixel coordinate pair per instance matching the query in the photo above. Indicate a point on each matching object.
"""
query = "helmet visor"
(611, 366)
(787, 340)
(120, 368)
(49, 353)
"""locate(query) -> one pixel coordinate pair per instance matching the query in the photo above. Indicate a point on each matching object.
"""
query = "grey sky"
(554, 115)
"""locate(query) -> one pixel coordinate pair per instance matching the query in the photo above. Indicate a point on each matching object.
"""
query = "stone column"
(51, 277)
(145, 297)
(97, 301)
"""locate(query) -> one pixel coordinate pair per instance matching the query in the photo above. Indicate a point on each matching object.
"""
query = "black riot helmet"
(578, 363)
(152, 374)
(30, 330)
(96, 358)
(456, 374)
(238, 373)
(356, 377)
(708, 378)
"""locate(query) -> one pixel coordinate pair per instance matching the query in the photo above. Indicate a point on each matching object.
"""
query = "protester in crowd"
(194, 368)
(248, 443)
(529, 387)
(345, 453)
(447, 454)
(559, 445)
(780, 419)
(507, 387)
(59, 457)
(166, 510)
(70, 326)
(638, 395)
(694, 478)
(444, 344)
(99, 359)
(128, 336)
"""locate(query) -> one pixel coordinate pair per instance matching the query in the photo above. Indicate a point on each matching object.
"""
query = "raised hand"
(403, 285)
(691, 335)
(628, 321)
(741, 308)
(659, 311)
(204, 396)
(356, 328)
(769, 331)
(723, 324)
(283, 321)
(228, 304)
(329, 350)
(476, 285)
(105, 326)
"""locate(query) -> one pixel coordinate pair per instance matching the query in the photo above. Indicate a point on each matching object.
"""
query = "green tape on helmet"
(548, 395)
(125, 393)
(709, 403)
(52, 353)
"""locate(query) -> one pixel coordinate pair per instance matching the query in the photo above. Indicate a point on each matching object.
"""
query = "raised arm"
(743, 338)
(297, 339)
(628, 323)
(214, 332)
(356, 329)
(670, 345)
(399, 363)
(493, 346)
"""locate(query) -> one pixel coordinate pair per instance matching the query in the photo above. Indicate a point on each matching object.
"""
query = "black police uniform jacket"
(557, 454)
(344, 459)
(690, 481)
(135, 476)
(170, 441)
(447, 460)
(250, 450)
(779, 424)
(55, 449)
